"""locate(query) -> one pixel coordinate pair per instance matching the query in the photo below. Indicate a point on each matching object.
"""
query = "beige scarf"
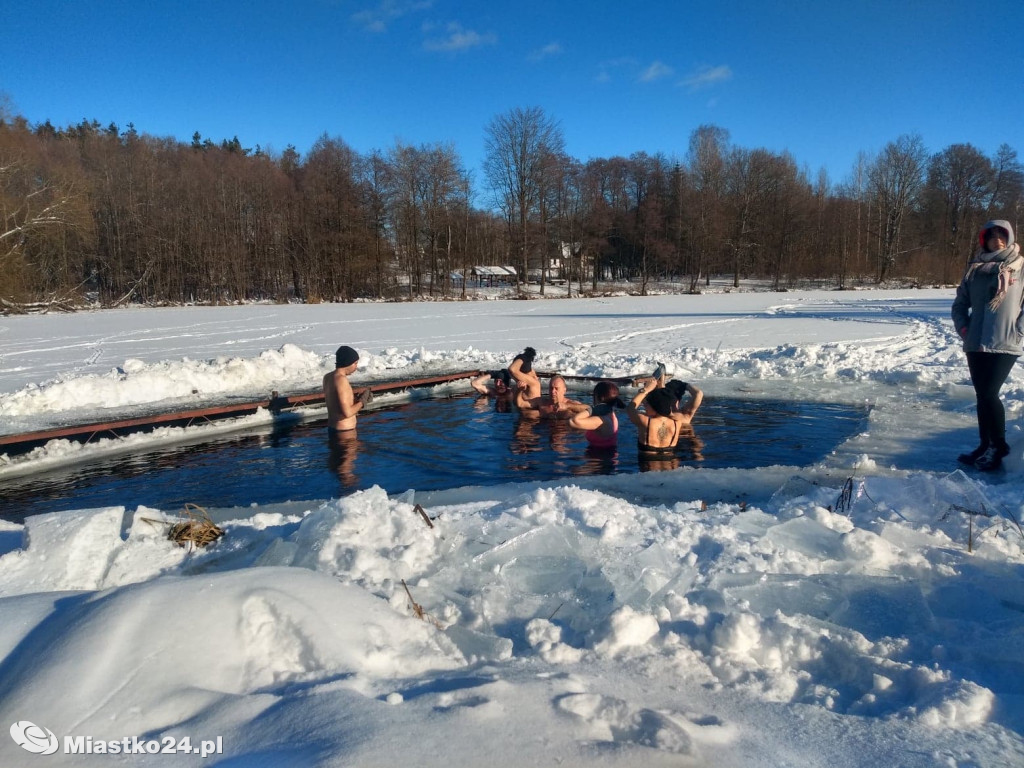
(1007, 262)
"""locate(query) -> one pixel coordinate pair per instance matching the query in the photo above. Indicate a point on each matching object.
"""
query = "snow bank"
(162, 652)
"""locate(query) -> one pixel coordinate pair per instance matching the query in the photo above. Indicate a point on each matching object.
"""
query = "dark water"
(426, 445)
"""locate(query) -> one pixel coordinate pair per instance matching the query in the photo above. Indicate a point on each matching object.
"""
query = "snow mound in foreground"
(162, 652)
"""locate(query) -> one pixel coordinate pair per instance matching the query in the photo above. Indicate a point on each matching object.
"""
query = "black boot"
(992, 459)
(973, 456)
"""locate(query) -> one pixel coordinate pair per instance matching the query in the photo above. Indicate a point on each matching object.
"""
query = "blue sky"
(823, 80)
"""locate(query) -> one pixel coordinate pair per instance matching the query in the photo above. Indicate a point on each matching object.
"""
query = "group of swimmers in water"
(662, 410)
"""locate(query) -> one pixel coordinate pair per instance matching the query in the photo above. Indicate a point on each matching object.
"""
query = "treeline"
(119, 216)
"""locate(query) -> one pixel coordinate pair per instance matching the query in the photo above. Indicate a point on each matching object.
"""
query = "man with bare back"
(342, 404)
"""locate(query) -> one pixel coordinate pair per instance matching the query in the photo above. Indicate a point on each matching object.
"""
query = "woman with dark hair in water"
(678, 389)
(521, 369)
(659, 426)
(600, 424)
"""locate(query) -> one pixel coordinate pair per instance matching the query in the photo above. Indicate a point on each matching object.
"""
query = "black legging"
(989, 371)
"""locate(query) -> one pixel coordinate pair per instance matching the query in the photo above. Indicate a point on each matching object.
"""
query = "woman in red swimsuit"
(601, 425)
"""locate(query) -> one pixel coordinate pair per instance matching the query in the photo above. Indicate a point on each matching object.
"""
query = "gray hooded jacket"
(999, 330)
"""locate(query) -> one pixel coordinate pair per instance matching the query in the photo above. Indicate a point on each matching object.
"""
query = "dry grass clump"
(418, 609)
(197, 529)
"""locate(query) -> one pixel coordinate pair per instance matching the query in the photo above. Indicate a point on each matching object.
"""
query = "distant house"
(490, 276)
(574, 260)
(557, 267)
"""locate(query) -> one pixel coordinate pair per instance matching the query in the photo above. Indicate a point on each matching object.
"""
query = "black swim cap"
(676, 388)
(345, 356)
(660, 401)
(527, 356)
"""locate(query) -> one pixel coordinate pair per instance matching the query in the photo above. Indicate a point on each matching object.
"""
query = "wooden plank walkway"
(21, 443)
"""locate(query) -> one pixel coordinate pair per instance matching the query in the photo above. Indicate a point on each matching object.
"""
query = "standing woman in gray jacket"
(987, 315)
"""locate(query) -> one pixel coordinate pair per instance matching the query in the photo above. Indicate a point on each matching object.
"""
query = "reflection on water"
(689, 449)
(598, 460)
(427, 445)
(342, 450)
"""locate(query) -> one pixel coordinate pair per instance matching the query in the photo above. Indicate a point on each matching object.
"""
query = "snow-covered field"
(694, 617)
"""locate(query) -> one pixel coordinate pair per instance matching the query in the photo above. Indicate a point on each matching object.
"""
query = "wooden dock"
(276, 404)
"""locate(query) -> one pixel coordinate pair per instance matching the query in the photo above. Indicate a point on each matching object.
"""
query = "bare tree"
(568, 213)
(706, 159)
(378, 198)
(43, 215)
(749, 182)
(896, 180)
(650, 242)
(443, 200)
(960, 183)
(518, 145)
(1008, 186)
(788, 206)
(852, 197)
(333, 225)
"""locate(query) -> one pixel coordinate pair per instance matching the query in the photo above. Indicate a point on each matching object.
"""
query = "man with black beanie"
(342, 405)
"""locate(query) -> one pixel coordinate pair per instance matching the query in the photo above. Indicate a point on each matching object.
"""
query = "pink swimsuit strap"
(598, 440)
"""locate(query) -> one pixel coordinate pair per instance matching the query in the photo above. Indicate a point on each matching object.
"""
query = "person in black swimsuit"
(663, 419)
(680, 388)
(657, 431)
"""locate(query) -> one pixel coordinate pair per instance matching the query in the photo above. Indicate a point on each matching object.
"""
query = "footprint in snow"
(608, 719)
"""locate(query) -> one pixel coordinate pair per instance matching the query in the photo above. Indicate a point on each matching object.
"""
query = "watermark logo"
(34, 738)
(41, 741)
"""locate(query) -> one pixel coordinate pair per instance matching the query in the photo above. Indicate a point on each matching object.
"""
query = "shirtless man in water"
(342, 405)
(494, 384)
(555, 404)
(558, 405)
